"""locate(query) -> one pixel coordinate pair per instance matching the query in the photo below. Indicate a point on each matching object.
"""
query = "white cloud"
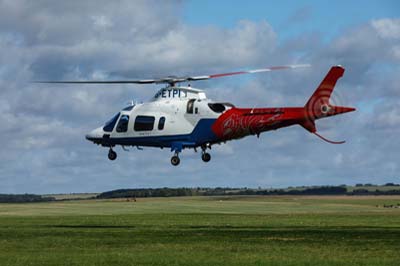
(387, 28)
(101, 21)
(396, 51)
(388, 116)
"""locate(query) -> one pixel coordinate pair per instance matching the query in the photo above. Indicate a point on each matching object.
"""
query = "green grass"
(203, 231)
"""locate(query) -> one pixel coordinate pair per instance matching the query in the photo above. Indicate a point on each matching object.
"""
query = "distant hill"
(369, 189)
(72, 196)
(20, 198)
(358, 189)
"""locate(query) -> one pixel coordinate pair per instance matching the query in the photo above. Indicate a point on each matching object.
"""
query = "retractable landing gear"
(205, 156)
(175, 159)
(112, 155)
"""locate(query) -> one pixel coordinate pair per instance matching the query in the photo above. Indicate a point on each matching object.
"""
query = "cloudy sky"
(43, 149)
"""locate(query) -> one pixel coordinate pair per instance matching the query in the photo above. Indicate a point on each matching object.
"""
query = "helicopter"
(182, 117)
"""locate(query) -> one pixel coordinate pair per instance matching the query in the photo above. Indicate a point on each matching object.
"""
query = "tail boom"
(240, 122)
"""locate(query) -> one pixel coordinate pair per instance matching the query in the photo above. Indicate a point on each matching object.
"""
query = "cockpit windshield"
(128, 108)
(109, 126)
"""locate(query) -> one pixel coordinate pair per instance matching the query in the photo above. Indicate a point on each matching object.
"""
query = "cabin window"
(123, 124)
(109, 126)
(161, 123)
(190, 105)
(144, 123)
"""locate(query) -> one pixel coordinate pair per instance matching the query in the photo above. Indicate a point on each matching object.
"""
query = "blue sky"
(290, 17)
(43, 126)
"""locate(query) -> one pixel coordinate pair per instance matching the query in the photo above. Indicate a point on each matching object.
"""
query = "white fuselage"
(173, 111)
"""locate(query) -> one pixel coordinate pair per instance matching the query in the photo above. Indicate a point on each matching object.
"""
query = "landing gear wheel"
(112, 155)
(206, 157)
(175, 160)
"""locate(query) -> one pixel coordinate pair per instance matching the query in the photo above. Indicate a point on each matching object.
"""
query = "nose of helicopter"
(95, 135)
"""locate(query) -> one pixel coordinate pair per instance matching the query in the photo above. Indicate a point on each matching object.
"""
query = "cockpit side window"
(123, 124)
(190, 105)
(217, 107)
(109, 126)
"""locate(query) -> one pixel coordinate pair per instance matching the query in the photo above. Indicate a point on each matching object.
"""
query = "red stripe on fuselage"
(240, 122)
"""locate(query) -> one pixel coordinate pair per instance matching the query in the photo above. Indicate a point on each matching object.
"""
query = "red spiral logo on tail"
(323, 104)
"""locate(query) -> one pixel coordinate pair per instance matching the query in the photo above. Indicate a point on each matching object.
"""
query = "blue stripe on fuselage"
(201, 134)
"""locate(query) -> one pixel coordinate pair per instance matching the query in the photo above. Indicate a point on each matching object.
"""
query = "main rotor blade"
(268, 69)
(144, 81)
(173, 79)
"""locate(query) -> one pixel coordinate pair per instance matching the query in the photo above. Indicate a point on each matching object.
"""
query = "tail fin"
(318, 105)
(323, 93)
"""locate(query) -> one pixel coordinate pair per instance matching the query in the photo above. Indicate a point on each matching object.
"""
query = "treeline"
(148, 192)
(376, 192)
(21, 198)
(373, 185)
(179, 192)
(325, 190)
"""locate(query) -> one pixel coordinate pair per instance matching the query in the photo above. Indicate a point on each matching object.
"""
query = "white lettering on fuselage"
(171, 93)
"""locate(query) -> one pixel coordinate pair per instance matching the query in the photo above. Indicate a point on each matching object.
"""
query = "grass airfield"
(283, 230)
